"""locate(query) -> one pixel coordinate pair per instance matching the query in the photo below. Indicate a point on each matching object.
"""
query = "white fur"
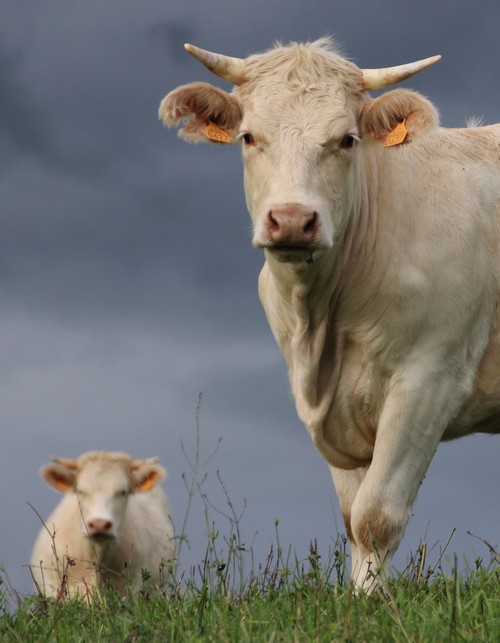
(66, 561)
(389, 322)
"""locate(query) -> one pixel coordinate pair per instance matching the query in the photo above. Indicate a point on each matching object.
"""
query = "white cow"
(381, 234)
(112, 526)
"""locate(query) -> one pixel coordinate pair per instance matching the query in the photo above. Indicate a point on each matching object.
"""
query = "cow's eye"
(248, 138)
(347, 142)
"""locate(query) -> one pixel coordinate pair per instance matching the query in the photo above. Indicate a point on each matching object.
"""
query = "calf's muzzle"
(99, 527)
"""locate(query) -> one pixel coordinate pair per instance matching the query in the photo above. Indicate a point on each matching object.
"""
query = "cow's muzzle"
(100, 529)
(291, 226)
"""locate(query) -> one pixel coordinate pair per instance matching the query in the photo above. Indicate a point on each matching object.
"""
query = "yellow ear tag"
(397, 135)
(216, 133)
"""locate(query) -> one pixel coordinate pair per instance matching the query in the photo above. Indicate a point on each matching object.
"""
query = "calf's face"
(102, 483)
(102, 494)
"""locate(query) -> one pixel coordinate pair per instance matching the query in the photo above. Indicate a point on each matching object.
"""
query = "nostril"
(312, 224)
(273, 224)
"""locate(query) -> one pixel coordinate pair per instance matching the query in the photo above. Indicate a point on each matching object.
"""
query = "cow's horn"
(379, 78)
(226, 67)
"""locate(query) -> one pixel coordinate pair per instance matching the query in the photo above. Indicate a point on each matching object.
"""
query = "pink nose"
(292, 225)
(99, 527)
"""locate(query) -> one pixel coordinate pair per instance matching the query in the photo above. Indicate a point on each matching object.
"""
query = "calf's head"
(299, 113)
(102, 481)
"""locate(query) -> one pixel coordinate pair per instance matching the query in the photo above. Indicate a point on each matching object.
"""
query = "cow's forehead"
(308, 120)
(104, 474)
(320, 105)
(299, 68)
(301, 86)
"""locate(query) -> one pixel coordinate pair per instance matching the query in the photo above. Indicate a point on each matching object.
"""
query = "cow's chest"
(339, 403)
(351, 423)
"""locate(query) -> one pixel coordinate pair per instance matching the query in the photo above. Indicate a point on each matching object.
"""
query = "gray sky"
(127, 277)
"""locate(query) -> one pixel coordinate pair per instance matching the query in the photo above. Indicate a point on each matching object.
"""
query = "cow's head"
(102, 481)
(299, 113)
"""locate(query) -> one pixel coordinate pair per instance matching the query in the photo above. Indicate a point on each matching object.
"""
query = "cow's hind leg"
(347, 483)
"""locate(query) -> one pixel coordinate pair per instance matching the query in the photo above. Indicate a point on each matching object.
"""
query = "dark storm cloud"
(127, 277)
(172, 36)
(22, 125)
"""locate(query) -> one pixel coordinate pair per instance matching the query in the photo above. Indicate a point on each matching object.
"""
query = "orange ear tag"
(216, 133)
(398, 135)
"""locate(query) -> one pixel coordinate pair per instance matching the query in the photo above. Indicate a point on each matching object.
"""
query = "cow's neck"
(303, 304)
(96, 552)
(304, 289)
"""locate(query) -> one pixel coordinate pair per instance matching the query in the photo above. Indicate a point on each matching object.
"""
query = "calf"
(112, 524)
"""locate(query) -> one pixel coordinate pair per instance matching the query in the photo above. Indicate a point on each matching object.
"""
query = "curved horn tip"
(386, 76)
(227, 67)
(205, 57)
(434, 59)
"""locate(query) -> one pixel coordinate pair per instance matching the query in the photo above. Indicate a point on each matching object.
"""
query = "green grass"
(231, 597)
(306, 602)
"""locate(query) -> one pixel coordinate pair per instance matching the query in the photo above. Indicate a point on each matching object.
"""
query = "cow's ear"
(402, 108)
(60, 474)
(198, 105)
(146, 474)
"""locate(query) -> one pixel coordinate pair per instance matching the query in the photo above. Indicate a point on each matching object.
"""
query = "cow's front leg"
(410, 427)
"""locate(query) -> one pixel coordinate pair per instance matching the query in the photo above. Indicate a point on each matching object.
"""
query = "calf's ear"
(146, 474)
(379, 117)
(60, 474)
(199, 107)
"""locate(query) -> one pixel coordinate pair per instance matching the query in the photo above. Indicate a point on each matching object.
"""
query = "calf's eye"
(248, 138)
